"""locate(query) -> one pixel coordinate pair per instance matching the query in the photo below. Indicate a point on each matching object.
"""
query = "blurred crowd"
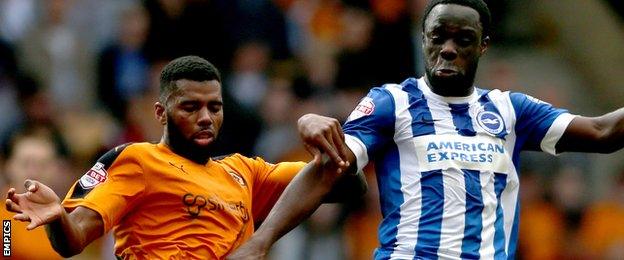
(78, 77)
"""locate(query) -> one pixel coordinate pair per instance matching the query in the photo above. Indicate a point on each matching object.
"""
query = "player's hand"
(322, 134)
(248, 251)
(39, 205)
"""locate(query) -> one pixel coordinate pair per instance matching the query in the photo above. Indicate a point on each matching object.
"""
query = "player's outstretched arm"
(310, 187)
(325, 178)
(603, 134)
(69, 233)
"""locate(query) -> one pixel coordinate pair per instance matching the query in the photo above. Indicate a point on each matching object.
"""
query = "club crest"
(490, 122)
(237, 178)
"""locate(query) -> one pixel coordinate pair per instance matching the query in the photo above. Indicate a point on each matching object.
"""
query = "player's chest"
(198, 191)
(469, 120)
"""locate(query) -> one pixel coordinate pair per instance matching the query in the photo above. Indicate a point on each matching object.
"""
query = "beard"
(453, 86)
(184, 146)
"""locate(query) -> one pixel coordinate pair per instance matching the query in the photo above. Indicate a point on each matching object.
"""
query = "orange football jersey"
(162, 205)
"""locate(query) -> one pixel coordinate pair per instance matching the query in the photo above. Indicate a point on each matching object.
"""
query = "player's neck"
(446, 89)
(185, 150)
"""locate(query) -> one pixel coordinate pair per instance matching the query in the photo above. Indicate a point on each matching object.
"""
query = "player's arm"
(319, 181)
(306, 192)
(603, 134)
(69, 233)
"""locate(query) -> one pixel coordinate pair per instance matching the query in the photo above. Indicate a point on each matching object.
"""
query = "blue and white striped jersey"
(447, 166)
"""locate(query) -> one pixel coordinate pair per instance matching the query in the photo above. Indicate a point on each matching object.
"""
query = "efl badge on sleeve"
(366, 107)
(96, 175)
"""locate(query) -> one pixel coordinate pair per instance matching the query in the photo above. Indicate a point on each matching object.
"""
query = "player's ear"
(161, 113)
(485, 42)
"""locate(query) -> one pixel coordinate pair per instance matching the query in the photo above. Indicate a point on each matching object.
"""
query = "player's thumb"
(315, 152)
(31, 185)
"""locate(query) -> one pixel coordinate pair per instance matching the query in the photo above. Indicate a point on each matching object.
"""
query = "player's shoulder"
(523, 99)
(125, 150)
(405, 86)
(232, 159)
(239, 162)
(227, 157)
(386, 94)
(492, 93)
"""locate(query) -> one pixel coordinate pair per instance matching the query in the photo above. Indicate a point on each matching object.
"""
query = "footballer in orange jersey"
(144, 191)
(170, 200)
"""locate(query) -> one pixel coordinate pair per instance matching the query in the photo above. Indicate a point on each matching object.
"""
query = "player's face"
(453, 44)
(194, 114)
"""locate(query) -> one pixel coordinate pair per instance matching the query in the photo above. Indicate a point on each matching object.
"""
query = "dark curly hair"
(485, 17)
(192, 68)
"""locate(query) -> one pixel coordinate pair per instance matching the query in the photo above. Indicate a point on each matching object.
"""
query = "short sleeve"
(270, 180)
(371, 125)
(538, 123)
(111, 187)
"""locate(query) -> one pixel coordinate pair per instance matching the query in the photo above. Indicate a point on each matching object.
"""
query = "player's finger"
(320, 142)
(31, 185)
(315, 152)
(21, 217)
(317, 159)
(336, 144)
(327, 145)
(340, 145)
(12, 206)
(32, 225)
(11, 193)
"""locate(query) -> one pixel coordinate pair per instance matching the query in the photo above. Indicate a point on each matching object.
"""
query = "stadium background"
(83, 76)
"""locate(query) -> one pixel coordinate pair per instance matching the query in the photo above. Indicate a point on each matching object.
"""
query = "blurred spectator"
(137, 126)
(247, 82)
(392, 44)
(8, 96)
(17, 18)
(36, 114)
(240, 131)
(542, 224)
(360, 231)
(33, 155)
(122, 65)
(254, 20)
(602, 231)
(278, 132)
(179, 28)
(550, 218)
(416, 8)
(56, 55)
(355, 70)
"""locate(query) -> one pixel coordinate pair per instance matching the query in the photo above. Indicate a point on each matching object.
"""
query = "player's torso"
(442, 180)
(205, 209)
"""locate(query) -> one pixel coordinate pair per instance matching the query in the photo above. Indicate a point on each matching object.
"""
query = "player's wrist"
(263, 239)
(57, 213)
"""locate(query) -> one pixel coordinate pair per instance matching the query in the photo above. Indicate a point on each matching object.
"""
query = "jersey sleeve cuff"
(72, 204)
(359, 149)
(555, 132)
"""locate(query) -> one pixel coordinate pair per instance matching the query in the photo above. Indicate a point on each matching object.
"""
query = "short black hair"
(192, 68)
(485, 17)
